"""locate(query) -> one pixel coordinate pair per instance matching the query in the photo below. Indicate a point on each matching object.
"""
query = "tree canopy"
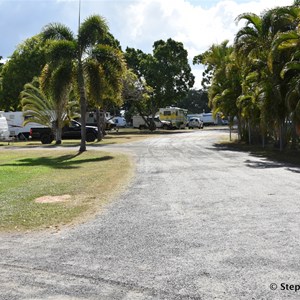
(166, 71)
(26, 62)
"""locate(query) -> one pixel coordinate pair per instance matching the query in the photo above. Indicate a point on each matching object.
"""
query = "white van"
(4, 132)
(208, 119)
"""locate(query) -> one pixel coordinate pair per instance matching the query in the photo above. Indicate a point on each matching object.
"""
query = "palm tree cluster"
(256, 81)
(88, 67)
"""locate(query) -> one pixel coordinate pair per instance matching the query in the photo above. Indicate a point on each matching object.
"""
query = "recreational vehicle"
(177, 116)
(91, 119)
(4, 132)
(15, 120)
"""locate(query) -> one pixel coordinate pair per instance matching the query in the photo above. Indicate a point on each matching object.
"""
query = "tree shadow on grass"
(60, 162)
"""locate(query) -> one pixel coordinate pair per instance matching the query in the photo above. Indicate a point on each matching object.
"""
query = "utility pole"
(79, 9)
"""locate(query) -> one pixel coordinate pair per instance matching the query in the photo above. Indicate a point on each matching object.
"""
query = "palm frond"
(290, 66)
(57, 31)
(285, 40)
(252, 19)
(61, 51)
(91, 31)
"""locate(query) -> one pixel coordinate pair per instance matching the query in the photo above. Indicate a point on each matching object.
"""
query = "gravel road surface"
(197, 222)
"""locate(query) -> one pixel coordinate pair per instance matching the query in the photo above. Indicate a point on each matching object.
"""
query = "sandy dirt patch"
(53, 199)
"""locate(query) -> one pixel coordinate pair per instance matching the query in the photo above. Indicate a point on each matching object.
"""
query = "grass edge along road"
(89, 181)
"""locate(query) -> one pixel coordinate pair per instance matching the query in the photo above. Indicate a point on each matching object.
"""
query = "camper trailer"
(177, 116)
(4, 132)
(15, 120)
(139, 122)
(91, 119)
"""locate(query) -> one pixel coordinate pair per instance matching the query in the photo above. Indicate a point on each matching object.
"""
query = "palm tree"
(105, 69)
(253, 44)
(46, 110)
(286, 44)
(225, 85)
(66, 49)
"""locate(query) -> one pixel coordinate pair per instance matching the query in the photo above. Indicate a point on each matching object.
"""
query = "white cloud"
(135, 23)
(194, 25)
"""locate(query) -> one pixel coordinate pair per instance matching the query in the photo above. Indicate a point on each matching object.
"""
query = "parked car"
(71, 131)
(195, 123)
(224, 122)
(119, 121)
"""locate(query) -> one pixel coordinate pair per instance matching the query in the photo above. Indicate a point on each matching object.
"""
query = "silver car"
(195, 123)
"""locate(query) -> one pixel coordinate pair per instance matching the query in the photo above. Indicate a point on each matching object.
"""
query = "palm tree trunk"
(100, 135)
(58, 135)
(249, 133)
(281, 137)
(80, 79)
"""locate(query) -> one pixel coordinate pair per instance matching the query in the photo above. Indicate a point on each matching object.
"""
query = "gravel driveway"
(197, 222)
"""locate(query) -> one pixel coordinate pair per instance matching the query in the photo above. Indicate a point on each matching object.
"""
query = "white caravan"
(208, 119)
(177, 116)
(4, 132)
(15, 120)
(91, 119)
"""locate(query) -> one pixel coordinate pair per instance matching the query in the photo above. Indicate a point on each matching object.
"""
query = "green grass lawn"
(90, 178)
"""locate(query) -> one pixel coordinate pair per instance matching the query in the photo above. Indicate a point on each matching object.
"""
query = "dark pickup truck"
(71, 131)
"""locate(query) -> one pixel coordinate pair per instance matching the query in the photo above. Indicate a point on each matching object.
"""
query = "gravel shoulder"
(197, 222)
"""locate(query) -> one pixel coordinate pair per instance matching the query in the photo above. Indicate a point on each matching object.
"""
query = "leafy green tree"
(136, 94)
(195, 102)
(65, 47)
(26, 62)
(166, 71)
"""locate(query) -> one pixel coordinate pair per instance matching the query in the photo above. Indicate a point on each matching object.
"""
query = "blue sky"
(135, 23)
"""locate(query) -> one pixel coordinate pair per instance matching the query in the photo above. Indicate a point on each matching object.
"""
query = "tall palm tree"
(225, 85)
(105, 69)
(253, 44)
(65, 48)
(286, 44)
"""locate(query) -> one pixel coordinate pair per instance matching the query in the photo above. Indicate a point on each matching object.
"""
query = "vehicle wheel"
(141, 127)
(165, 127)
(90, 137)
(23, 136)
(46, 139)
